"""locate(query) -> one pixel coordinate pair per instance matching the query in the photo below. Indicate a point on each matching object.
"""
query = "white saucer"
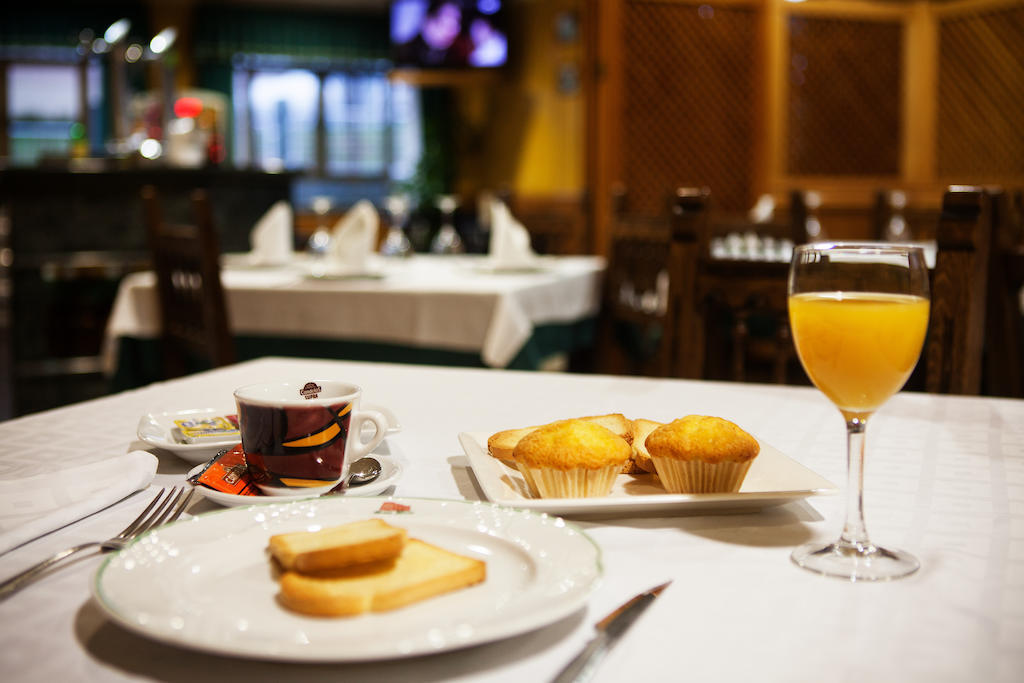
(390, 472)
(157, 429)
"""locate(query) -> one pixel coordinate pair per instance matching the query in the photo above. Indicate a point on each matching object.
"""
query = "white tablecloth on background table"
(945, 480)
(442, 302)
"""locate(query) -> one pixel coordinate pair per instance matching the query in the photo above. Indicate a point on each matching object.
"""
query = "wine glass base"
(855, 562)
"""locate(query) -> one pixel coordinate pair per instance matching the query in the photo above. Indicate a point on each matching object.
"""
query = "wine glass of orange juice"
(859, 314)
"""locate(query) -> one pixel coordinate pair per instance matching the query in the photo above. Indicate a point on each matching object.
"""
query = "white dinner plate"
(773, 479)
(207, 584)
(158, 430)
(390, 472)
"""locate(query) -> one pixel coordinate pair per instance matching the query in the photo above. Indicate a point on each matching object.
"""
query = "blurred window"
(283, 108)
(371, 128)
(44, 109)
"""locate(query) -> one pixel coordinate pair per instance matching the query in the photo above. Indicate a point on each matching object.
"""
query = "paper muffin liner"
(694, 476)
(549, 482)
(531, 485)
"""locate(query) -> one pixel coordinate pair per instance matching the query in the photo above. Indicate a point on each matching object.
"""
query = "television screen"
(449, 33)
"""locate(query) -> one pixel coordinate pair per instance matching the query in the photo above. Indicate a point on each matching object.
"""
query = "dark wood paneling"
(845, 80)
(981, 96)
(688, 102)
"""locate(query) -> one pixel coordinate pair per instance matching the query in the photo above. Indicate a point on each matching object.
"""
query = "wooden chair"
(641, 295)
(674, 311)
(733, 320)
(730, 318)
(952, 359)
(556, 223)
(956, 330)
(1004, 331)
(193, 314)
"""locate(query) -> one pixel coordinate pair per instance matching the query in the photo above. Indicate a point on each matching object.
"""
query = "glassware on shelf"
(319, 242)
(396, 242)
(859, 314)
(447, 240)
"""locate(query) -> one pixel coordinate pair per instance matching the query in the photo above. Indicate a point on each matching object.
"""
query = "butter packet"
(199, 429)
(227, 473)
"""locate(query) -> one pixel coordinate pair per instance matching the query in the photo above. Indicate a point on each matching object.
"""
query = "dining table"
(944, 480)
(452, 309)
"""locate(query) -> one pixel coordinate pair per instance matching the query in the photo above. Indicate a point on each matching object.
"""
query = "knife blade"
(609, 630)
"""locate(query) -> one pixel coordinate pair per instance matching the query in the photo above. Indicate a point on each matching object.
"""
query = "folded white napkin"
(510, 242)
(763, 210)
(271, 237)
(354, 237)
(36, 505)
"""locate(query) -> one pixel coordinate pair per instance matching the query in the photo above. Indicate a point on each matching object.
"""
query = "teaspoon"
(363, 471)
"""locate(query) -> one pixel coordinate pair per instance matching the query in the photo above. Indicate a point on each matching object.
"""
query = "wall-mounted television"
(446, 34)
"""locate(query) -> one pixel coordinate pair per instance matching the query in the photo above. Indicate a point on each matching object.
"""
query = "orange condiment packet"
(228, 473)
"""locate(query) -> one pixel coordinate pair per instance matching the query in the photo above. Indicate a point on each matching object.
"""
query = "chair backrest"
(555, 223)
(641, 296)
(674, 310)
(1004, 331)
(956, 330)
(193, 313)
(733, 321)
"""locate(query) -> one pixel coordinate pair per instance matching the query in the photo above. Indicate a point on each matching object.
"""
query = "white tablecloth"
(441, 302)
(945, 480)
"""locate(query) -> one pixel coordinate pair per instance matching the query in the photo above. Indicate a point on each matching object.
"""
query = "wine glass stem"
(854, 531)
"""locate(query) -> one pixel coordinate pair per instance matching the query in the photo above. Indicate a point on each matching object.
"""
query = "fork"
(158, 512)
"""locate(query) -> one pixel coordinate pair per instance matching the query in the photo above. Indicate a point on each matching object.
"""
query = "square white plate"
(773, 479)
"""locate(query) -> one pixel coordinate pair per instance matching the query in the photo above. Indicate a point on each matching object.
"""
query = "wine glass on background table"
(859, 315)
(319, 242)
(396, 242)
(447, 239)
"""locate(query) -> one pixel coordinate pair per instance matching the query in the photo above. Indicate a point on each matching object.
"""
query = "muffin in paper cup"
(701, 454)
(681, 476)
(571, 459)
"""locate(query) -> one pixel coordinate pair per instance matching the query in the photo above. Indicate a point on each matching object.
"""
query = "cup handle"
(357, 448)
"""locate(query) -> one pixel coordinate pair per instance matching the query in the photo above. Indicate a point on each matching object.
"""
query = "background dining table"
(439, 309)
(945, 480)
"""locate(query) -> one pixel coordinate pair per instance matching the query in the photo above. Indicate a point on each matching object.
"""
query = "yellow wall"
(518, 130)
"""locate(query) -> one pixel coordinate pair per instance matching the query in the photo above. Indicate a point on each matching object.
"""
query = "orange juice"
(858, 348)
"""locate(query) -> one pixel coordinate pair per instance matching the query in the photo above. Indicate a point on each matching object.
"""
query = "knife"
(609, 630)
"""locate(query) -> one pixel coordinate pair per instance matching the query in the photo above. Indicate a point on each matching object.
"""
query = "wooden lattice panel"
(981, 96)
(689, 102)
(845, 89)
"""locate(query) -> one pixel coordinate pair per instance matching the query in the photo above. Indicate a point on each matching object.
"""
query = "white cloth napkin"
(354, 237)
(763, 211)
(271, 237)
(510, 242)
(33, 506)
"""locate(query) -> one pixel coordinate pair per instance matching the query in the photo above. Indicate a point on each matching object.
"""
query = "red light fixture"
(187, 107)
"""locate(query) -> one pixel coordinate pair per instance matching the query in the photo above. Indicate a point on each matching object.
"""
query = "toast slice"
(369, 540)
(616, 423)
(422, 571)
(501, 444)
(641, 429)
